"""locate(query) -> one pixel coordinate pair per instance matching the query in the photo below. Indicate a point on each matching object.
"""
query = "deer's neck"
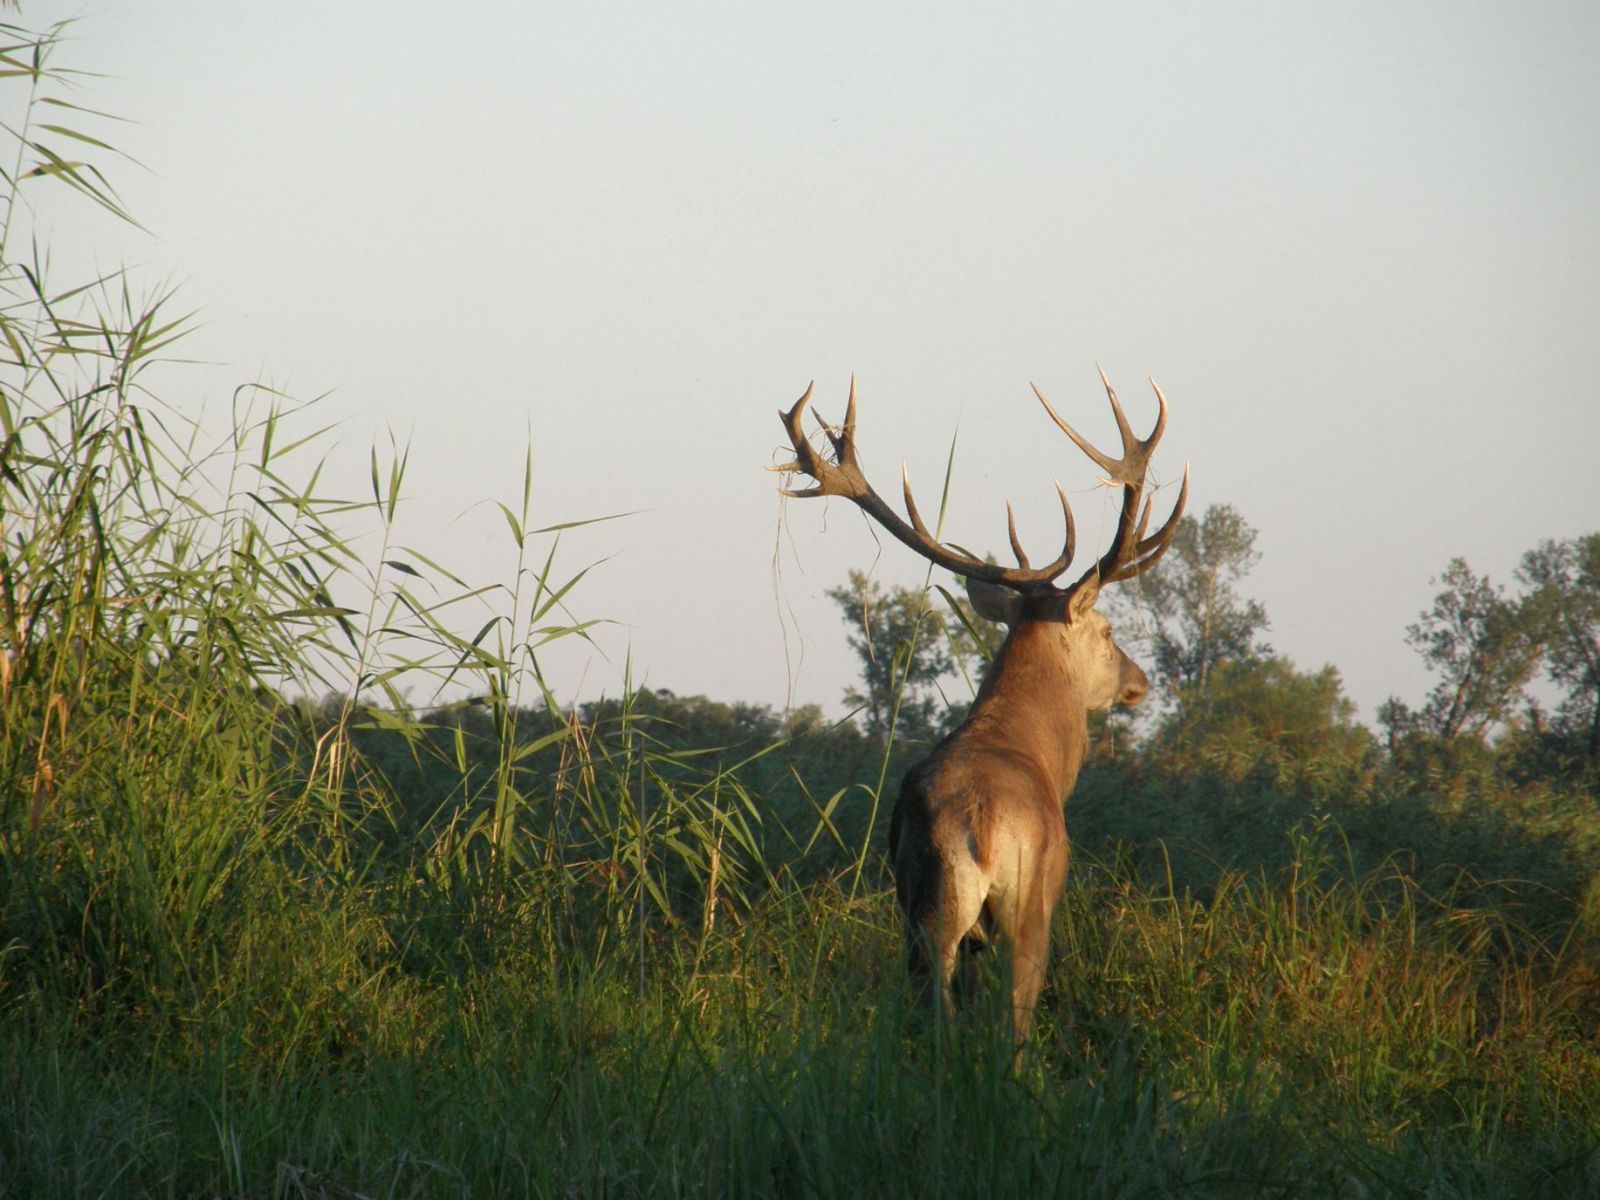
(1031, 703)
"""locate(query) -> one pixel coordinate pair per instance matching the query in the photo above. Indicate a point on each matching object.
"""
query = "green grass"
(1270, 1042)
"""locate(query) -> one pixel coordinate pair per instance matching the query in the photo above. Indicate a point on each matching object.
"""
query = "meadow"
(268, 930)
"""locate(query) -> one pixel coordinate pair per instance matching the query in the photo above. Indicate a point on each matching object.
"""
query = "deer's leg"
(932, 960)
(956, 911)
(1026, 925)
(916, 885)
(929, 951)
(919, 960)
(1030, 954)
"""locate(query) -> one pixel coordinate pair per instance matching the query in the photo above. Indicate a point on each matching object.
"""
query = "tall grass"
(173, 824)
(1269, 1043)
(237, 958)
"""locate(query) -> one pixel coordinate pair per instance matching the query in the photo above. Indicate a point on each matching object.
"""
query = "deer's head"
(1069, 629)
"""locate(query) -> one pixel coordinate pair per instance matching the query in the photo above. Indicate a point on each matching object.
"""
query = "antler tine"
(791, 416)
(1144, 522)
(1129, 442)
(1105, 462)
(844, 443)
(1147, 551)
(911, 504)
(1048, 573)
(804, 454)
(1161, 416)
(1069, 546)
(1150, 549)
(1016, 543)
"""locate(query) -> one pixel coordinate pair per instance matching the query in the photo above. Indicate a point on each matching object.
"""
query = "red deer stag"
(978, 840)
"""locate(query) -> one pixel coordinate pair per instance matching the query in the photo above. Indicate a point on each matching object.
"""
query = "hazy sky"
(1358, 247)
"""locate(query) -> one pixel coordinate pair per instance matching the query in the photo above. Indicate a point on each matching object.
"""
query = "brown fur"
(978, 839)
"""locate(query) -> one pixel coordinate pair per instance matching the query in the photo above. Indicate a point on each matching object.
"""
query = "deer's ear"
(993, 602)
(1083, 598)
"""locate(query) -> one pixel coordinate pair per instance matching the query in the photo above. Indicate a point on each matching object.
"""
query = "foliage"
(1484, 650)
(1267, 720)
(909, 652)
(1199, 617)
(1563, 607)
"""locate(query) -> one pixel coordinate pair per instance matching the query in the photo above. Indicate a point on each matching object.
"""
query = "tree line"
(1226, 693)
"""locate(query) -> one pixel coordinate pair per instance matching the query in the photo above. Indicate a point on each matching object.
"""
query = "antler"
(843, 477)
(1130, 554)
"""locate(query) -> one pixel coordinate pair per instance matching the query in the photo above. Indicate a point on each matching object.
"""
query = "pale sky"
(1357, 245)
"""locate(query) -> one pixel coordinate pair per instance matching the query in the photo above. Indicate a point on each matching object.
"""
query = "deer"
(978, 837)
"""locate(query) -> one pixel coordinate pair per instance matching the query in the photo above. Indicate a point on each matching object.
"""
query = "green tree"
(1563, 606)
(908, 646)
(1262, 715)
(1483, 647)
(1199, 618)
